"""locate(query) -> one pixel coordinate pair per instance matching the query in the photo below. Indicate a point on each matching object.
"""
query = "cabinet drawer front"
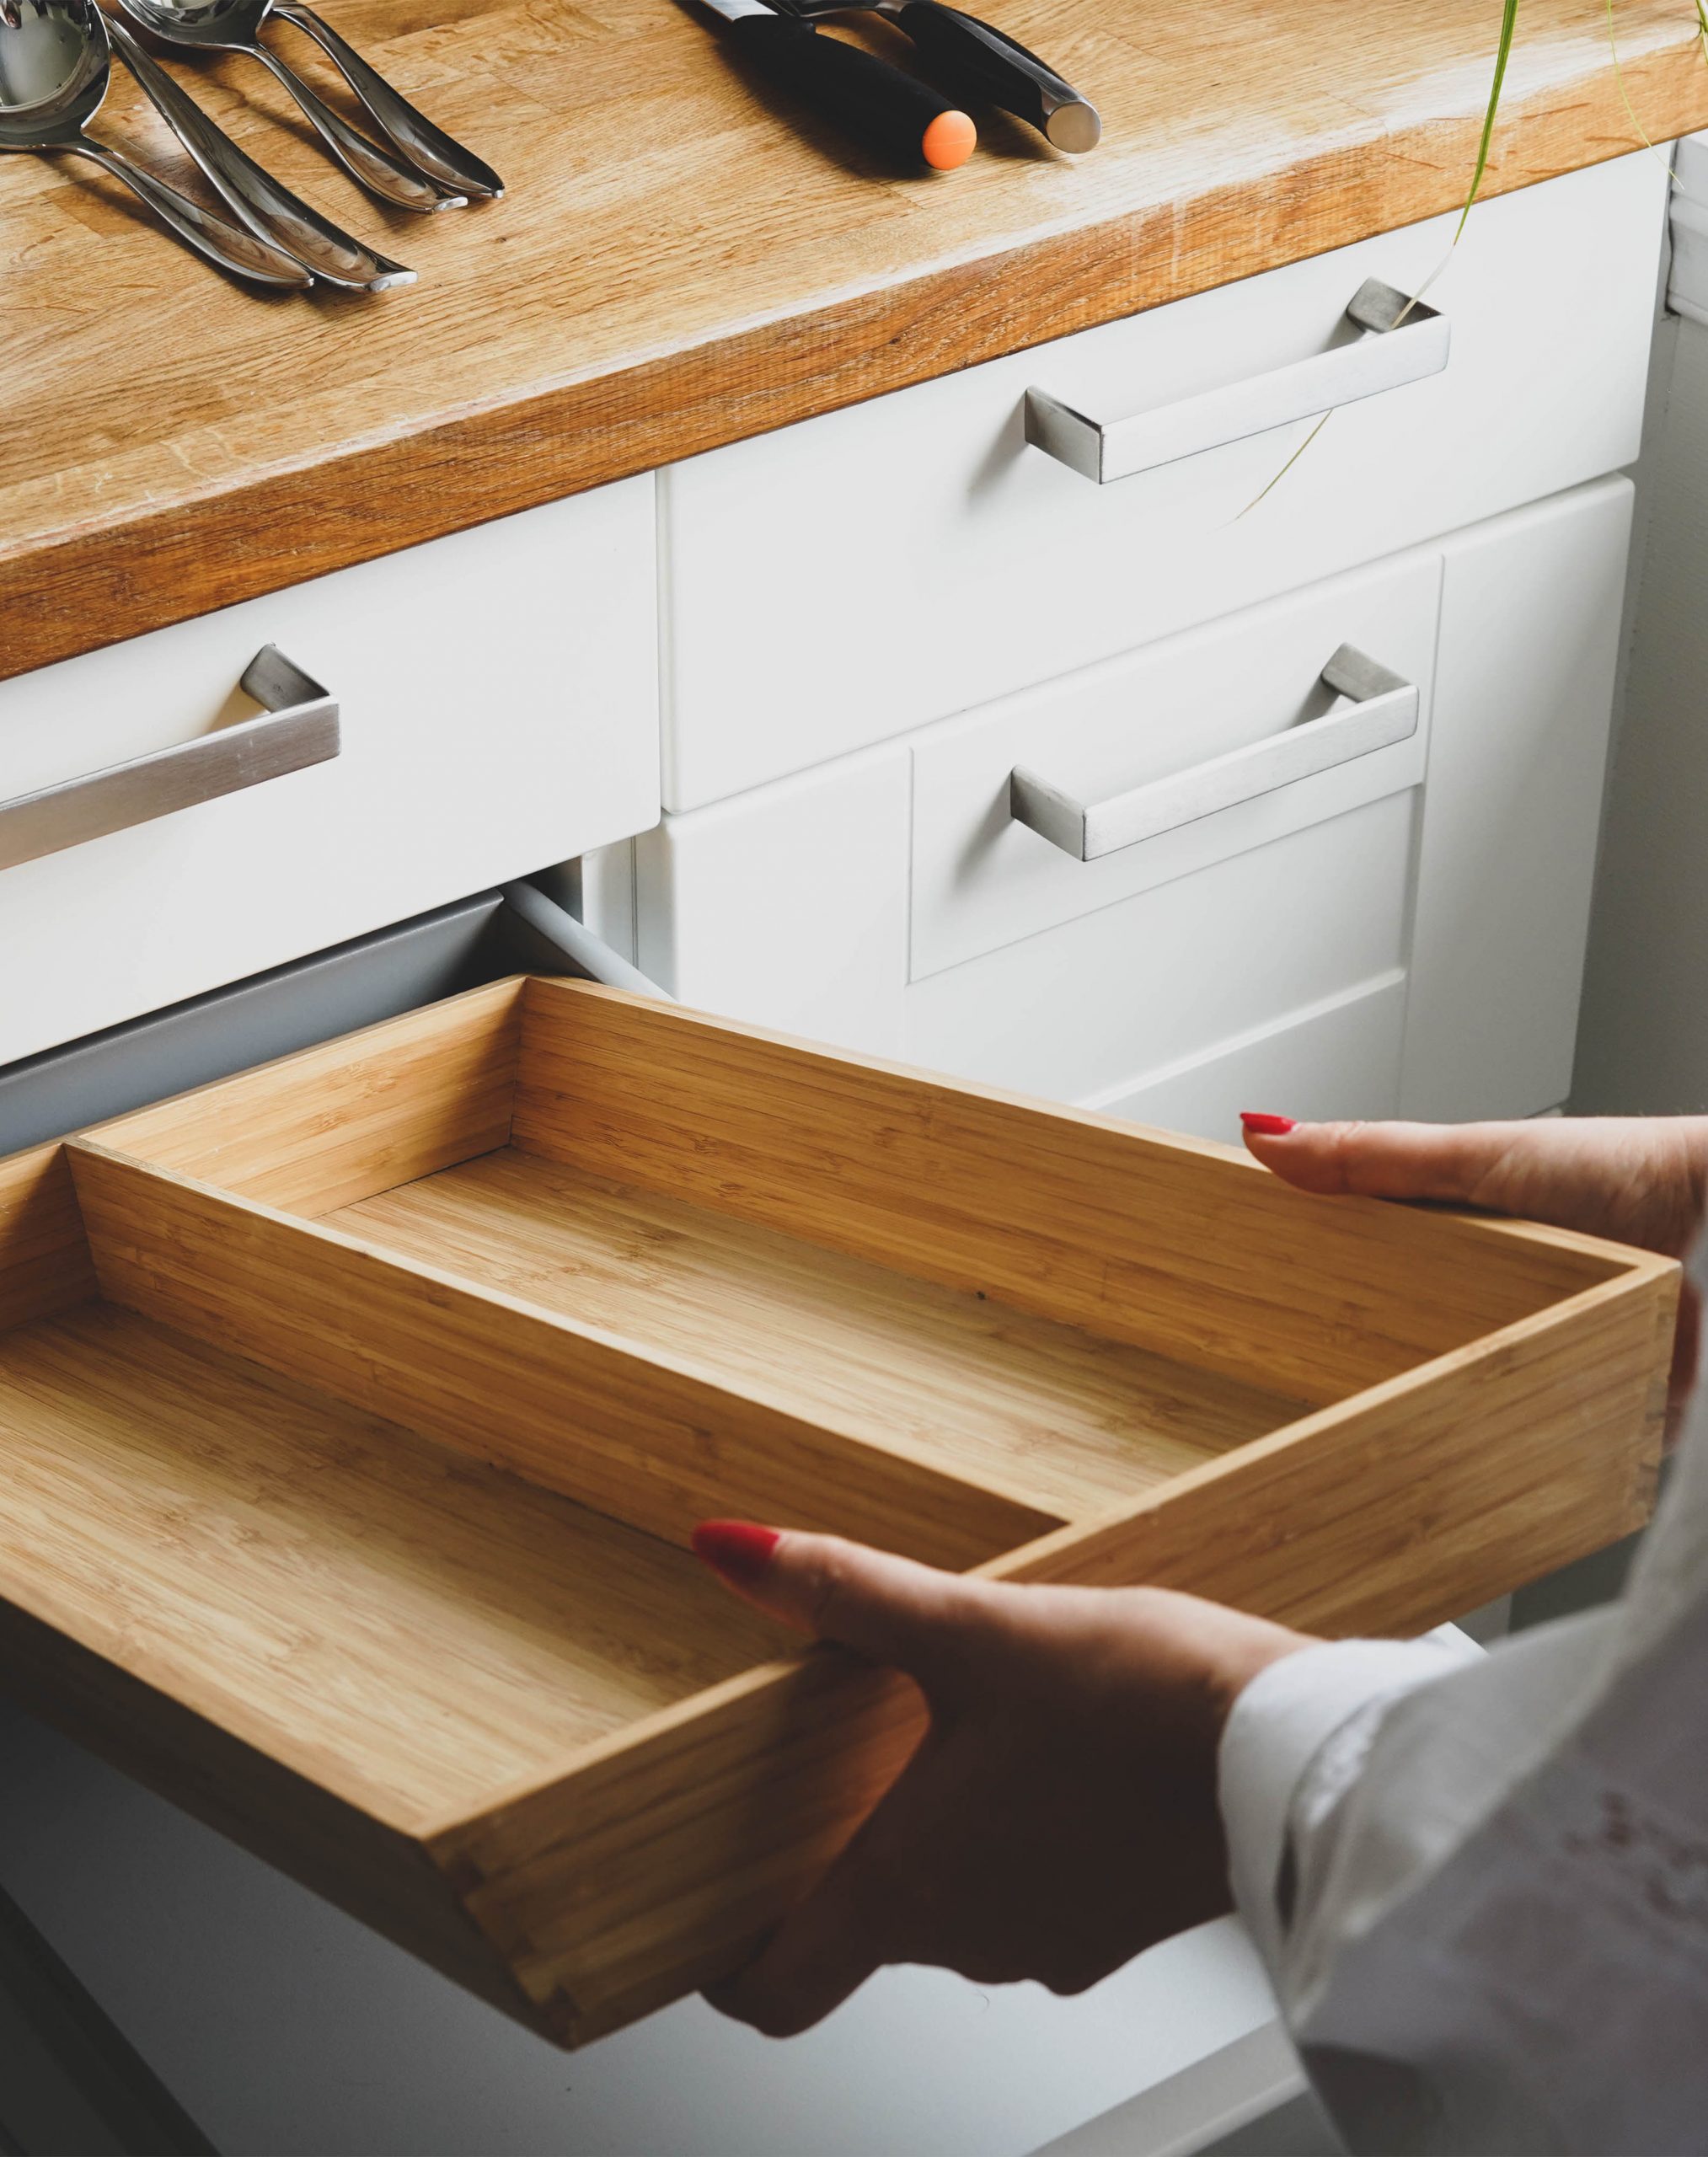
(496, 711)
(1174, 724)
(1170, 975)
(842, 580)
(1339, 1060)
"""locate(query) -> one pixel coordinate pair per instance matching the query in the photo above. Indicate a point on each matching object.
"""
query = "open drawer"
(356, 1411)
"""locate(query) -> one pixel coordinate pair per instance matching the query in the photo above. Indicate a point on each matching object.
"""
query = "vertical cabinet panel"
(787, 907)
(1523, 694)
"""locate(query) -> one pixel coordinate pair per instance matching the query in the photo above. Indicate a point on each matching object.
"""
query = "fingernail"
(1265, 1126)
(739, 1550)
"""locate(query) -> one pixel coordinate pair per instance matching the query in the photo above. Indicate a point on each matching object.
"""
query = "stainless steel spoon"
(266, 205)
(55, 65)
(235, 26)
(421, 142)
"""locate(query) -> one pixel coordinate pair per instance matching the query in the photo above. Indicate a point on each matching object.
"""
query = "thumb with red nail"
(1060, 1814)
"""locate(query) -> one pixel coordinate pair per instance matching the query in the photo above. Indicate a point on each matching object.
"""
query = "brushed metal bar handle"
(299, 727)
(1383, 711)
(1403, 341)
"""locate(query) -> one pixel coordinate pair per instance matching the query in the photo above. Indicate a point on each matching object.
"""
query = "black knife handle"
(905, 119)
(975, 59)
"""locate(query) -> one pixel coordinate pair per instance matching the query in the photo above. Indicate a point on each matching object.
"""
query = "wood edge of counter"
(65, 595)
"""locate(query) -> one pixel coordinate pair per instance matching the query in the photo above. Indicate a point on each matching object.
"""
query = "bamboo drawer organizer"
(355, 1413)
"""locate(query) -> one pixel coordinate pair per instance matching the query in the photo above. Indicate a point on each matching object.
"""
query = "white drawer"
(1341, 1059)
(1085, 1011)
(498, 708)
(1405, 933)
(1183, 710)
(841, 581)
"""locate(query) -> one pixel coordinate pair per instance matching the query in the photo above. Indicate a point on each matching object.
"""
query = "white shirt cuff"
(1277, 1726)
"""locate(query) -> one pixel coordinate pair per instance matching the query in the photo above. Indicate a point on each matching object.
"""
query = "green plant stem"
(1509, 24)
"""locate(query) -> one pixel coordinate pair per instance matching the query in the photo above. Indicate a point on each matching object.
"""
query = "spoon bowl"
(54, 71)
(55, 65)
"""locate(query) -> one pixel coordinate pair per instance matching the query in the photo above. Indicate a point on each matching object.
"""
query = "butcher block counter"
(680, 263)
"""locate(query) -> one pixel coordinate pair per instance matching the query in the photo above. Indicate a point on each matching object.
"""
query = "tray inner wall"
(406, 1625)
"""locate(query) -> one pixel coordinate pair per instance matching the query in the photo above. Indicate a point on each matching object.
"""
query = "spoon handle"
(263, 203)
(378, 171)
(210, 237)
(428, 146)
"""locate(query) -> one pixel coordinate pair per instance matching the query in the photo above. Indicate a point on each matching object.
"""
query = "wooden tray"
(356, 1411)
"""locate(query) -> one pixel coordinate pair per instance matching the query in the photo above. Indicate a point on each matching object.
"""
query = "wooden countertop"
(678, 265)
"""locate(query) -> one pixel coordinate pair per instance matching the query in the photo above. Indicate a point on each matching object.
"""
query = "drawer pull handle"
(1403, 341)
(1383, 711)
(299, 727)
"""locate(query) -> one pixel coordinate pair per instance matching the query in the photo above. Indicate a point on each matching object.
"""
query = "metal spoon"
(266, 205)
(421, 142)
(235, 26)
(55, 65)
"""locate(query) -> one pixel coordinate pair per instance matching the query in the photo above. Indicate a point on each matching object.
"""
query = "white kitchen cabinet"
(497, 696)
(1405, 929)
(845, 581)
(1530, 623)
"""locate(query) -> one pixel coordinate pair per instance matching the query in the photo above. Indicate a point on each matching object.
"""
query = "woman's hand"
(1061, 1812)
(1639, 1180)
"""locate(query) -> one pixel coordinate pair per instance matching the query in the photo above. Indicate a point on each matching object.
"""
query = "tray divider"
(637, 1435)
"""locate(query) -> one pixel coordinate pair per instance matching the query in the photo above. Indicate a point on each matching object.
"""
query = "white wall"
(1642, 1045)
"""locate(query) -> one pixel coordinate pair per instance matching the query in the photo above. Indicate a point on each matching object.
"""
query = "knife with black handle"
(975, 60)
(904, 119)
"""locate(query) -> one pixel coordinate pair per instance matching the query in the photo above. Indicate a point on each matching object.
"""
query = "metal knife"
(898, 115)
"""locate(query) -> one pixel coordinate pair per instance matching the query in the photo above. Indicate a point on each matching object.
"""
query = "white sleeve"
(1314, 1711)
(1480, 1885)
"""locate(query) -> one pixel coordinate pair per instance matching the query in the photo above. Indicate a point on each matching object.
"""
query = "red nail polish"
(1265, 1126)
(740, 1549)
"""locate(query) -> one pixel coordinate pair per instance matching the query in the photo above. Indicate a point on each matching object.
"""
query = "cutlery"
(897, 113)
(54, 65)
(235, 26)
(975, 59)
(438, 154)
(266, 205)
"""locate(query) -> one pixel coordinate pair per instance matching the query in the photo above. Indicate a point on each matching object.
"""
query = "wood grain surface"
(257, 1538)
(1173, 1244)
(404, 1624)
(45, 1265)
(1075, 1422)
(330, 1125)
(656, 1441)
(1421, 1498)
(681, 261)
